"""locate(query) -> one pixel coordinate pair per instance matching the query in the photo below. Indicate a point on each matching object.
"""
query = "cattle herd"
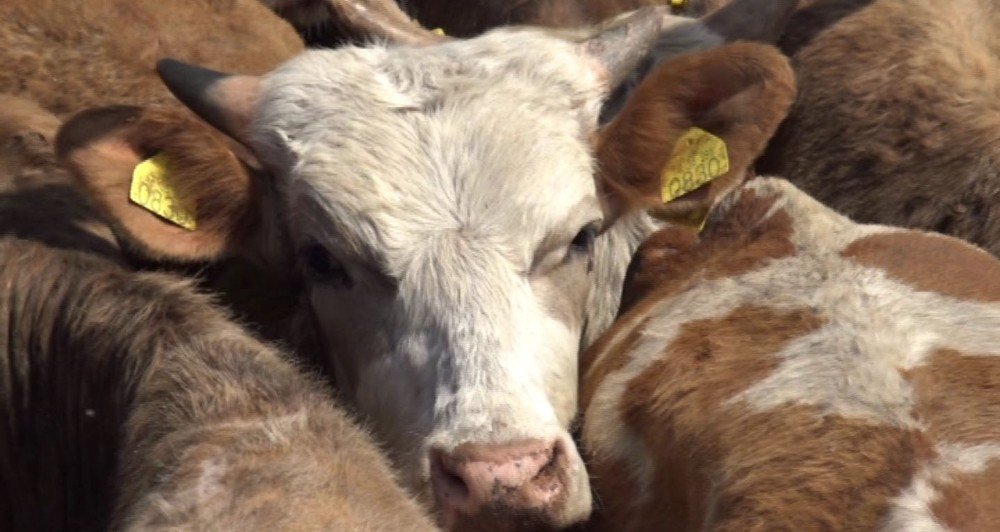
(500, 265)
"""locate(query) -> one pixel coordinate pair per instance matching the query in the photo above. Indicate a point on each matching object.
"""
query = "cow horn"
(226, 101)
(382, 19)
(622, 43)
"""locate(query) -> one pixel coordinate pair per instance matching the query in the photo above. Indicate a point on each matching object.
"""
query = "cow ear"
(691, 130)
(174, 188)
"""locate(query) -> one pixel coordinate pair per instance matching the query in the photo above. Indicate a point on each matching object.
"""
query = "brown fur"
(466, 18)
(675, 257)
(969, 501)
(117, 385)
(897, 116)
(205, 173)
(462, 19)
(968, 273)
(738, 92)
(69, 56)
(953, 382)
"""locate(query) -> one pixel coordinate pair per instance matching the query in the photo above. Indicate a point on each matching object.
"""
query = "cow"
(440, 204)
(787, 368)
(70, 56)
(129, 400)
(896, 118)
(466, 18)
(321, 26)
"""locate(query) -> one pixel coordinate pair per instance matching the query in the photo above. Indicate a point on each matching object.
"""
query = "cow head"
(441, 205)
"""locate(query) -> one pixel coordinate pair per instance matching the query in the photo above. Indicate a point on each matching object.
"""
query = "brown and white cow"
(129, 401)
(897, 117)
(789, 369)
(440, 203)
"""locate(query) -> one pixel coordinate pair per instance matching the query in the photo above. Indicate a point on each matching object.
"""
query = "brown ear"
(738, 93)
(102, 147)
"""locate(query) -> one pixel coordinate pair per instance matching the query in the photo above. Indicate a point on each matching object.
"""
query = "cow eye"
(322, 267)
(583, 242)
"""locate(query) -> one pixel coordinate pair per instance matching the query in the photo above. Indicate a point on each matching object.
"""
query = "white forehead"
(485, 135)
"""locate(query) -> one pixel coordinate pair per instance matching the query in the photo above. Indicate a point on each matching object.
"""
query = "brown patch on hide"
(731, 468)
(958, 396)
(931, 263)
(968, 501)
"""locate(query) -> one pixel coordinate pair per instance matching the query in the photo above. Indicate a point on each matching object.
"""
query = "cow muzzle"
(523, 485)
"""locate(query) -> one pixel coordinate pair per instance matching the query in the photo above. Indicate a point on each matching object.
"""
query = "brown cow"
(897, 116)
(789, 369)
(129, 400)
(69, 56)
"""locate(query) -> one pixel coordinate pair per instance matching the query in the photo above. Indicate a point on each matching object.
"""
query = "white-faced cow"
(441, 202)
(789, 369)
(129, 401)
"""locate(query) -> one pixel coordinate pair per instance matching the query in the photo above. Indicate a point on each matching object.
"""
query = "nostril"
(548, 478)
(448, 483)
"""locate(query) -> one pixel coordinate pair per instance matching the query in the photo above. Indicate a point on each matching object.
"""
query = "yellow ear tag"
(438, 31)
(698, 158)
(151, 189)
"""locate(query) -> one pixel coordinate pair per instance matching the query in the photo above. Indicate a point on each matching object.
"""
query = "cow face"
(441, 206)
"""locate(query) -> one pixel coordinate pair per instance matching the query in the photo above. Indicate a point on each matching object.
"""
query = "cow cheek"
(562, 296)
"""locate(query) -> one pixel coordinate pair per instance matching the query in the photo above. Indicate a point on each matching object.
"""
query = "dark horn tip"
(191, 85)
(167, 65)
(176, 73)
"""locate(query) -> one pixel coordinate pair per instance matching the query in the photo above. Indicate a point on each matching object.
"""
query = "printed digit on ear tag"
(151, 189)
(698, 158)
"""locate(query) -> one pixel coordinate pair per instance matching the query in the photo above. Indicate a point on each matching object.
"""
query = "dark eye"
(583, 242)
(323, 268)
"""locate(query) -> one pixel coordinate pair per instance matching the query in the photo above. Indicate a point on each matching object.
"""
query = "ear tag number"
(151, 189)
(698, 158)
